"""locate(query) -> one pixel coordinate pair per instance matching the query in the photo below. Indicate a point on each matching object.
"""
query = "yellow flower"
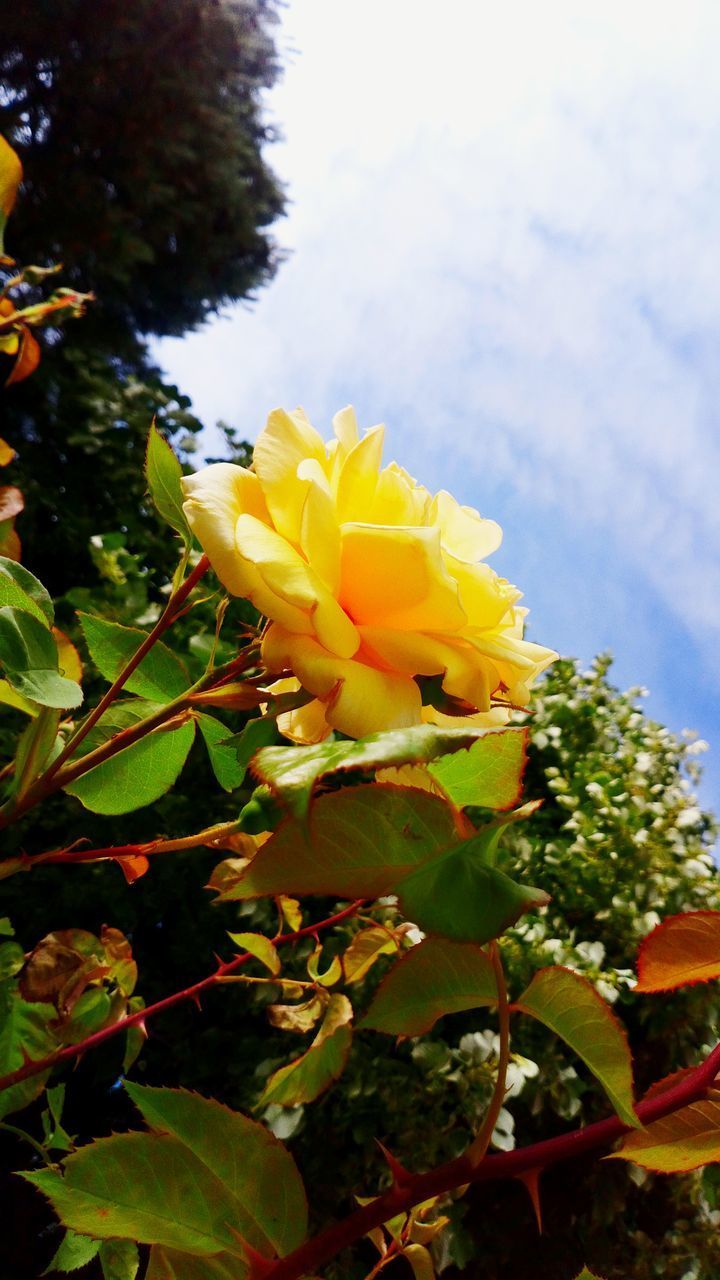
(368, 581)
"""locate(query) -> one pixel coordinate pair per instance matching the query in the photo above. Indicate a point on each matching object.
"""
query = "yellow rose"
(367, 579)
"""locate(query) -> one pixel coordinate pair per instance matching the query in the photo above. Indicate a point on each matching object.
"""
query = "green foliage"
(435, 978)
(489, 775)
(226, 766)
(459, 896)
(306, 1077)
(21, 590)
(571, 1007)
(163, 473)
(29, 656)
(159, 677)
(163, 213)
(361, 840)
(139, 774)
(292, 772)
(181, 1185)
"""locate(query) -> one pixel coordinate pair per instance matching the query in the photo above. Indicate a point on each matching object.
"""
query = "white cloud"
(505, 240)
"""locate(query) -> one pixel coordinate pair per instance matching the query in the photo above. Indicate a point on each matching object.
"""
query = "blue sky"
(504, 242)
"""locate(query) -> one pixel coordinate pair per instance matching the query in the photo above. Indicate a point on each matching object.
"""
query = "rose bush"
(368, 581)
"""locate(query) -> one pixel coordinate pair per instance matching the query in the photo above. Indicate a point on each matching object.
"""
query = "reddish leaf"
(7, 453)
(10, 545)
(28, 357)
(679, 1142)
(681, 951)
(11, 501)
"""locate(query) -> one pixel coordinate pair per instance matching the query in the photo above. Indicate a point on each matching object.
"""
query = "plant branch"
(414, 1188)
(166, 619)
(194, 992)
(478, 1149)
(209, 837)
(58, 774)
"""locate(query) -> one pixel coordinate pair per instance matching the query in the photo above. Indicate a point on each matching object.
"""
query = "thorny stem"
(414, 1188)
(478, 1149)
(209, 837)
(194, 992)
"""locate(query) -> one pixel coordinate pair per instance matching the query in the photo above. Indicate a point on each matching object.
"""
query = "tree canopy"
(140, 132)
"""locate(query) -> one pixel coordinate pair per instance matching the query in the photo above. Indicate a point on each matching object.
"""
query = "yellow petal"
(492, 719)
(359, 699)
(346, 429)
(214, 498)
(306, 724)
(369, 701)
(286, 577)
(464, 532)
(358, 476)
(316, 668)
(320, 535)
(485, 597)
(10, 177)
(395, 577)
(398, 500)
(286, 441)
(465, 673)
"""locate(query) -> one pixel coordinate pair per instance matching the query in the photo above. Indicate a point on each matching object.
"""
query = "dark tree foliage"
(140, 132)
(80, 425)
(139, 129)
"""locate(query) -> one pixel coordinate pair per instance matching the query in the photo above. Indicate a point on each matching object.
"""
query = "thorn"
(260, 1266)
(196, 1000)
(400, 1175)
(531, 1180)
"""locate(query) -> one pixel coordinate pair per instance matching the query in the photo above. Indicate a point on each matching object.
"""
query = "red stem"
(415, 1188)
(33, 1068)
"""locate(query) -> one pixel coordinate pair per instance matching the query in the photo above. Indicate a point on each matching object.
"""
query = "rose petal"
(395, 577)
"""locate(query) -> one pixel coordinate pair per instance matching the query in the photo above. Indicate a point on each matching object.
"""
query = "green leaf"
(29, 654)
(459, 896)
(357, 842)
(260, 947)
(256, 734)
(678, 1143)
(74, 1252)
(142, 772)
(489, 774)
(164, 473)
(587, 1275)
(22, 590)
(270, 1209)
(24, 1033)
(308, 1076)
(135, 1036)
(434, 978)
(571, 1007)
(120, 1259)
(160, 677)
(223, 755)
(12, 959)
(292, 772)
(168, 1264)
(143, 1186)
